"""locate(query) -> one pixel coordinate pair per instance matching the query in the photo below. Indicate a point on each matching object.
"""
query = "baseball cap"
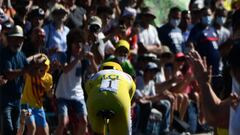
(152, 66)
(95, 20)
(123, 43)
(16, 31)
(180, 56)
(37, 12)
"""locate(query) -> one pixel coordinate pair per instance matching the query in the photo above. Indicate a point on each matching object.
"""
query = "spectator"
(8, 9)
(105, 13)
(13, 66)
(150, 95)
(186, 26)
(22, 9)
(121, 56)
(36, 85)
(148, 36)
(69, 90)
(205, 40)
(216, 110)
(219, 22)
(56, 33)
(6, 26)
(36, 43)
(77, 15)
(195, 7)
(98, 43)
(170, 34)
(36, 16)
(127, 30)
(114, 4)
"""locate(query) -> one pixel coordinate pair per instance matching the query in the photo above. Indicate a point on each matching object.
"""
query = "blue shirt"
(11, 92)
(57, 39)
(206, 43)
(172, 37)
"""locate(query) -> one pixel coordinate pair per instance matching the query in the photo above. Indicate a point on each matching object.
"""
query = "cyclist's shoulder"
(103, 73)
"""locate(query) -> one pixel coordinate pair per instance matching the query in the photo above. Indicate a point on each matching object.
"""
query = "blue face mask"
(207, 20)
(221, 20)
(175, 22)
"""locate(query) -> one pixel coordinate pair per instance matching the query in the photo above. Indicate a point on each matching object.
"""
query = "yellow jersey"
(114, 81)
(36, 86)
(111, 90)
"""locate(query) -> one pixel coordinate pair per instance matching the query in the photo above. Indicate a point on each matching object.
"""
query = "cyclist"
(110, 89)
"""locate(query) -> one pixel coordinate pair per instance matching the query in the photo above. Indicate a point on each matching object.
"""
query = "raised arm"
(215, 110)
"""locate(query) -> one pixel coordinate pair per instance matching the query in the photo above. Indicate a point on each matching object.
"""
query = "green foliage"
(161, 8)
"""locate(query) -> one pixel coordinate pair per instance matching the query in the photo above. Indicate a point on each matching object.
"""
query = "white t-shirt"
(149, 36)
(69, 85)
(234, 123)
(223, 35)
(160, 76)
(105, 48)
(145, 89)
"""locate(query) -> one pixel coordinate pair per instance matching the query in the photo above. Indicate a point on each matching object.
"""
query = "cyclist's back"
(110, 90)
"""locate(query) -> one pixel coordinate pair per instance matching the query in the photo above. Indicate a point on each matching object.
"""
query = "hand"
(55, 65)
(24, 113)
(89, 55)
(38, 66)
(2, 80)
(235, 99)
(201, 71)
(115, 3)
(144, 101)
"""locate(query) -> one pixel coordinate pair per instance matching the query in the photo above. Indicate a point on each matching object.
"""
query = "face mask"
(175, 22)
(122, 59)
(207, 20)
(221, 20)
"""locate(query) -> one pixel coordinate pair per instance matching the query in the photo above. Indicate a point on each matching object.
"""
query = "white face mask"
(122, 59)
(221, 20)
(175, 22)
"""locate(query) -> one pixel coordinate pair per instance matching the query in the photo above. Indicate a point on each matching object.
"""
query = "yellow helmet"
(123, 43)
(111, 65)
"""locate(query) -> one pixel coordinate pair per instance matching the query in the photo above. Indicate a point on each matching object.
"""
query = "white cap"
(128, 11)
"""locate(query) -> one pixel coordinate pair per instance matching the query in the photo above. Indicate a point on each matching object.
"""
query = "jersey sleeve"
(132, 90)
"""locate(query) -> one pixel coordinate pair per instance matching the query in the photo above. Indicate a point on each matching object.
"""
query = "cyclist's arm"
(132, 90)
